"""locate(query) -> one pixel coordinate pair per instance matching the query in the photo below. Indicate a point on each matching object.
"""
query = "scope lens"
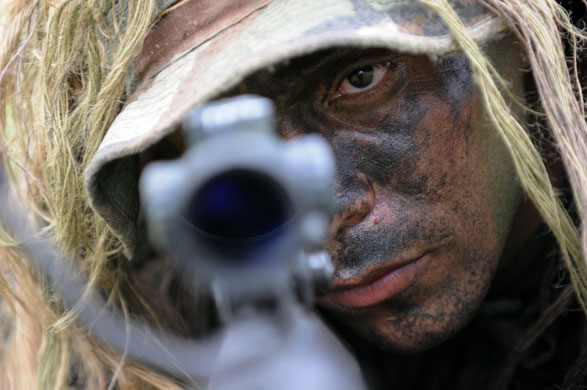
(239, 204)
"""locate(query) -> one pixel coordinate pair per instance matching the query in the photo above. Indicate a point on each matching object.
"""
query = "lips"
(377, 285)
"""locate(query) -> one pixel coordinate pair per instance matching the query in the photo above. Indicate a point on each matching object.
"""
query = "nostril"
(355, 201)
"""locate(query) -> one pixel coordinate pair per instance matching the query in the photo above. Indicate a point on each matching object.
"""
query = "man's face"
(425, 191)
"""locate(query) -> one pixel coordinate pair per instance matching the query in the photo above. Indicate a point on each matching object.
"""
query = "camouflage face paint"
(416, 239)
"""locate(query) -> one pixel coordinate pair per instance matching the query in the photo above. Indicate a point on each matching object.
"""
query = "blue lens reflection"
(240, 210)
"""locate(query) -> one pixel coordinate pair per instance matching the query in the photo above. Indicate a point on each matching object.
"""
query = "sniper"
(458, 128)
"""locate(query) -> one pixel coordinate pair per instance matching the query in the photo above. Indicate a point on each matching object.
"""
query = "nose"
(354, 194)
(355, 199)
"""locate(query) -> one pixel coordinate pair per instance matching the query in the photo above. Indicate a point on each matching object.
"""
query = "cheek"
(467, 168)
(458, 178)
(470, 189)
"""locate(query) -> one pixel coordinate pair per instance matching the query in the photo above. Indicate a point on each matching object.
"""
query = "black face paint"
(419, 176)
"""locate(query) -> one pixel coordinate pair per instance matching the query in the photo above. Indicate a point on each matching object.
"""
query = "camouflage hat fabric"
(202, 48)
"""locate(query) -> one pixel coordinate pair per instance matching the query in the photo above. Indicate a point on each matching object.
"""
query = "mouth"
(377, 285)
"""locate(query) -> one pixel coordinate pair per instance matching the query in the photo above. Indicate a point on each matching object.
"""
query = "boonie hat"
(201, 48)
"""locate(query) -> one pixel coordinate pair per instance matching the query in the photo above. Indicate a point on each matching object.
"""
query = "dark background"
(577, 9)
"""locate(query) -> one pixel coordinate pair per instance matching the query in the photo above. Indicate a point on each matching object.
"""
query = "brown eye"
(362, 78)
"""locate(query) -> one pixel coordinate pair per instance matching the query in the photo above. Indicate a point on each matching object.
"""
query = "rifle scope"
(242, 206)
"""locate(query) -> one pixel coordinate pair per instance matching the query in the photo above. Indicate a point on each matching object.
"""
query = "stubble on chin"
(412, 327)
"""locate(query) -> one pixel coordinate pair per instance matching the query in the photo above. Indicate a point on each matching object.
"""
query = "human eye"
(363, 79)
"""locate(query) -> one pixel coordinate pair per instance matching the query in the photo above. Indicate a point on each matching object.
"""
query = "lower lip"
(380, 289)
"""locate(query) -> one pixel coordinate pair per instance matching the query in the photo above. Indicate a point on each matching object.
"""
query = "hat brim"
(255, 39)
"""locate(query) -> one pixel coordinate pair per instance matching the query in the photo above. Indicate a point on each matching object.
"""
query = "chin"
(411, 331)
(417, 334)
(413, 324)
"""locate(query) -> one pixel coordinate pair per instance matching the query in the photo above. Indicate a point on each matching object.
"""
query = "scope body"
(242, 207)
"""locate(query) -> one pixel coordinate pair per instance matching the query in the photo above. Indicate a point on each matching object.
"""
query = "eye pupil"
(362, 77)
